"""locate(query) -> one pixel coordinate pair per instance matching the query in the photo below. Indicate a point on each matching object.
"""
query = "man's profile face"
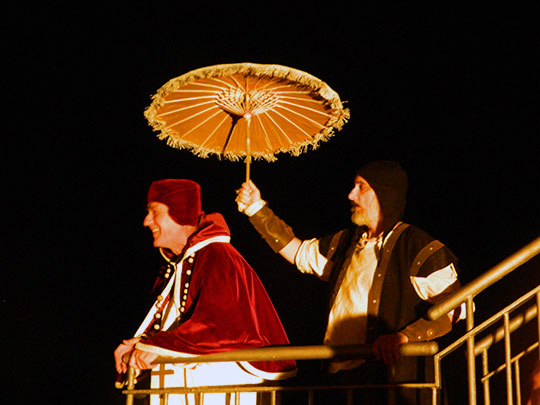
(166, 232)
(364, 204)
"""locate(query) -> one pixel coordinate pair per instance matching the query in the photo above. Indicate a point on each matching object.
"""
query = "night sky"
(452, 94)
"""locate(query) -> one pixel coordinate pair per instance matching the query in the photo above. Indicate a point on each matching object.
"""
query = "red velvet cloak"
(226, 305)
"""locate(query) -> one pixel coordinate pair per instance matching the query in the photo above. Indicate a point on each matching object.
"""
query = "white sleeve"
(309, 260)
(254, 208)
(429, 288)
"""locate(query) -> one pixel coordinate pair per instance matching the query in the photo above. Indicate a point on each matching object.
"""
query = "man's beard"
(359, 218)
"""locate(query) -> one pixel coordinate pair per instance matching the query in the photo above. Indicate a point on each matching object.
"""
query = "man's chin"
(358, 219)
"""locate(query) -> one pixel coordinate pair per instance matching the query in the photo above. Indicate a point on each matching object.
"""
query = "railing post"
(485, 372)
(273, 397)
(508, 360)
(471, 360)
(437, 378)
(538, 320)
(349, 397)
(130, 385)
(517, 378)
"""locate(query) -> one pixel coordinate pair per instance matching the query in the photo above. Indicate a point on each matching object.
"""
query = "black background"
(450, 93)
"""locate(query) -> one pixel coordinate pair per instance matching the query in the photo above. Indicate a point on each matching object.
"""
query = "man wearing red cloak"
(210, 301)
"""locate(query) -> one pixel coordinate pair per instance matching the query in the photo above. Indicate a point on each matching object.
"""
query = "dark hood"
(389, 181)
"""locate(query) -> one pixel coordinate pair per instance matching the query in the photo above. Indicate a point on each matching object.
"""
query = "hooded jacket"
(393, 303)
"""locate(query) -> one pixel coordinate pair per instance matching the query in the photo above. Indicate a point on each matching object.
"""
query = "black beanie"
(389, 181)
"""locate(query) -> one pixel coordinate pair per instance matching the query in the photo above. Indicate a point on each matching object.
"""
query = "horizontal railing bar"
(270, 388)
(515, 323)
(319, 352)
(485, 280)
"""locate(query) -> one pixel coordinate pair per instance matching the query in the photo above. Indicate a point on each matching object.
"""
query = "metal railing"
(466, 295)
(320, 352)
(473, 348)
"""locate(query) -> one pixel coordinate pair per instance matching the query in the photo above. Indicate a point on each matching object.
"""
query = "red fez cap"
(183, 197)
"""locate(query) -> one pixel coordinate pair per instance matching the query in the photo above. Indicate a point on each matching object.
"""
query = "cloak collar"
(211, 228)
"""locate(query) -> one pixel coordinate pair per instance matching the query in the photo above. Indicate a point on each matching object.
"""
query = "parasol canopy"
(245, 110)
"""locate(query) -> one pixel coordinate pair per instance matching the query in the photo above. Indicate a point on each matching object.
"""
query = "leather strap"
(423, 255)
(378, 278)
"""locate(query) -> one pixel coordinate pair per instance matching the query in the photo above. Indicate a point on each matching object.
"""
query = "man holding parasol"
(383, 274)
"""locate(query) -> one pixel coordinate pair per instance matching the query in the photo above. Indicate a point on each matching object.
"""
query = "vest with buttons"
(392, 303)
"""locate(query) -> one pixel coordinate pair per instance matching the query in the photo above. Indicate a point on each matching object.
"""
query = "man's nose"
(352, 194)
(147, 220)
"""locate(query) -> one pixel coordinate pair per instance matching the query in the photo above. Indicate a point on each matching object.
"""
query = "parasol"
(244, 111)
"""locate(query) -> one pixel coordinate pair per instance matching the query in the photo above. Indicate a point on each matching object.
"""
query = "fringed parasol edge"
(282, 72)
(294, 149)
(336, 121)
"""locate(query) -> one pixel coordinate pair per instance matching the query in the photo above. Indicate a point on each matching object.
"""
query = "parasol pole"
(247, 116)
